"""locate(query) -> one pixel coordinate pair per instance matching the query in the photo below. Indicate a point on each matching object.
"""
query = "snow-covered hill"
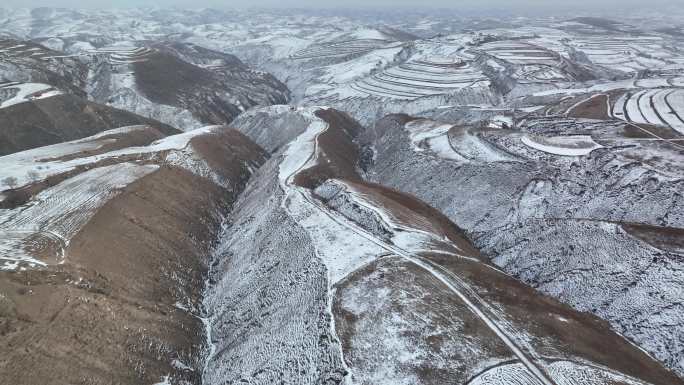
(448, 198)
(182, 85)
(104, 246)
(354, 278)
(556, 213)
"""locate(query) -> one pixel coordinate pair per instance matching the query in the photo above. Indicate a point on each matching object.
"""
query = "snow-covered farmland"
(520, 53)
(533, 63)
(456, 143)
(664, 106)
(37, 164)
(422, 77)
(339, 49)
(124, 53)
(627, 54)
(575, 145)
(25, 92)
(12, 48)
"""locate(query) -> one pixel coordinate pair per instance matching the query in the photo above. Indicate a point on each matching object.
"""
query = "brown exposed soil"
(337, 153)
(153, 74)
(594, 108)
(229, 147)
(107, 315)
(642, 130)
(664, 238)
(17, 197)
(122, 308)
(193, 87)
(411, 210)
(62, 118)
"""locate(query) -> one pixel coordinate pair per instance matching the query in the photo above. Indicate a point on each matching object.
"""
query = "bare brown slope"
(62, 118)
(595, 107)
(213, 95)
(229, 147)
(336, 150)
(123, 307)
(107, 315)
(664, 238)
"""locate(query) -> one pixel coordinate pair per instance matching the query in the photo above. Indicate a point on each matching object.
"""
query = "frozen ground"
(561, 216)
(517, 221)
(368, 242)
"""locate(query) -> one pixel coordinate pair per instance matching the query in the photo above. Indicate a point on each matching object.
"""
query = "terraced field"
(418, 78)
(663, 106)
(125, 54)
(534, 63)
(10, 48)
(626, 54)
(27, 62)
(520, 53)
(340, 49)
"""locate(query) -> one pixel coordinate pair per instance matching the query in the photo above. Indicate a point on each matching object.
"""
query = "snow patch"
(575, 145)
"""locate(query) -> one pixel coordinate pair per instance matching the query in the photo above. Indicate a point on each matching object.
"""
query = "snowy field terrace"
(533, 63)
(664, 106)
(627, 54)
(417, 78)
(520, 53)
(122, 55)
(15, 50)
(340, 49)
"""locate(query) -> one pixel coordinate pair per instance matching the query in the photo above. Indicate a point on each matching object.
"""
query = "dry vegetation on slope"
(124, 303)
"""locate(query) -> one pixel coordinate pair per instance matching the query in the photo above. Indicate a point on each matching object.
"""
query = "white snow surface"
(423, 129)
(342, 251)
(40, 163)
(26, 92)
(575, 145)
(563, 373)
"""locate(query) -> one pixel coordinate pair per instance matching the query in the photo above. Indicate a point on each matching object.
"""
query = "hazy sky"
(471, 4)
